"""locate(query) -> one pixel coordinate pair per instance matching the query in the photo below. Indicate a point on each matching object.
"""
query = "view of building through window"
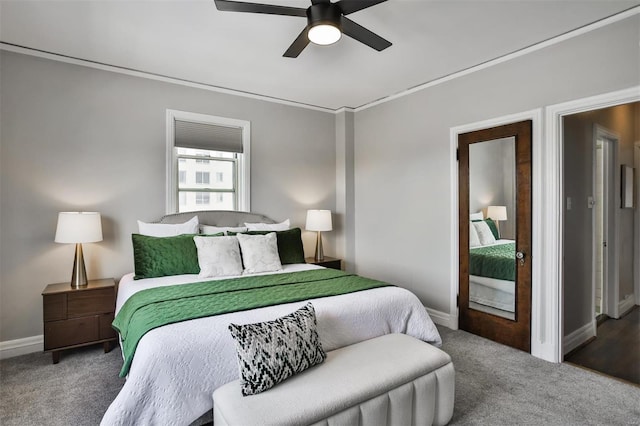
(207, 183)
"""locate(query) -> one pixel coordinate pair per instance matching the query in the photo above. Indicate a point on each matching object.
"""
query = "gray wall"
(76, 138)
(578, 238)
(402, 157)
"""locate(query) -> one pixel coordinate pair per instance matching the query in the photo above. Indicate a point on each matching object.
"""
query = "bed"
(177, 367)
(492, 278)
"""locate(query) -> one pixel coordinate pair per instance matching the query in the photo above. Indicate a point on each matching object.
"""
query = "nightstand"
(328, 262)
(78, 317)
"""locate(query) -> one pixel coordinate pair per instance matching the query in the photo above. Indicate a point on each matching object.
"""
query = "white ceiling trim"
(535, 47)
(344, 109)
(142, 74)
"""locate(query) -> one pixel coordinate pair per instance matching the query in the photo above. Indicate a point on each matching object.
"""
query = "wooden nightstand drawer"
(83, 303)
(106, 331)
(70, 332)
(55, 307)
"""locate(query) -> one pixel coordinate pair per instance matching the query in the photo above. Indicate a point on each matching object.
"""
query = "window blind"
(207, 136)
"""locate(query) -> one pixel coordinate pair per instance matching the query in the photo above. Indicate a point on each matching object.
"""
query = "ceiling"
(193, 41)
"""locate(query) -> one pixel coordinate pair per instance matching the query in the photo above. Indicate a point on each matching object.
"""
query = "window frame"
(243, 177)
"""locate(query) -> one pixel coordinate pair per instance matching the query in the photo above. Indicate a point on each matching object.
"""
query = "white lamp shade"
(497, 212)
(318, 220)
(78, 227)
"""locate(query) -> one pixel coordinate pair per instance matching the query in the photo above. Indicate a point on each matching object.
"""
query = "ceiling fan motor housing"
(324, 14)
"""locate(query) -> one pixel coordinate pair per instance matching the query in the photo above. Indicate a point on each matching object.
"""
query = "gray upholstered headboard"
(217, 218)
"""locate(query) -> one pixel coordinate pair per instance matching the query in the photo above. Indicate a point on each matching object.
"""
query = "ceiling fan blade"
(271, 9)
(363, 35)
(350, 6)
(298, 44)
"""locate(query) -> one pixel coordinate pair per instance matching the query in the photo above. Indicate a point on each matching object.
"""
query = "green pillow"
(290, 246)
(163, 256)
(492, 226)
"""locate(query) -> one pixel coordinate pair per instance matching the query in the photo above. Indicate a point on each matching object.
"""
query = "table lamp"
(319, 220)
(497, 213)
(78, 228)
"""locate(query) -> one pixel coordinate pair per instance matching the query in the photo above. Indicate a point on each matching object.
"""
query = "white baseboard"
(625, 305)
(28, 345)
(578, 337)
(440, 317)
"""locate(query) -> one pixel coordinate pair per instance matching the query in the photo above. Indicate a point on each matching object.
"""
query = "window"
(203, 198)
(202, 177)
(208, 163)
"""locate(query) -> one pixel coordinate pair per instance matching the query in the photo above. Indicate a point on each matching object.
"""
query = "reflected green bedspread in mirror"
(496, 261)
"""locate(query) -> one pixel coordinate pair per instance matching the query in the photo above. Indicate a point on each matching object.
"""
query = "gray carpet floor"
(495, 385)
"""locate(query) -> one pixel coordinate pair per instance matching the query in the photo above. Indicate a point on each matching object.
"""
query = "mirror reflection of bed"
(492, 262)
(492, 278)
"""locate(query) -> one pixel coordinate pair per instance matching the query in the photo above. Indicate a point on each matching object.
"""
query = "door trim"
(599, 133)
(636, 221)
(612, 289)
(552, 181)
(535, 116)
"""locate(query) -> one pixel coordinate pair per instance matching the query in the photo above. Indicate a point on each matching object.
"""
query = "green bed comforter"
(152, 308)
(498, 261)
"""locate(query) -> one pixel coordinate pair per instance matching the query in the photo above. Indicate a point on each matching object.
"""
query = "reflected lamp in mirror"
(497, 213)
(319, 221)
(77, 228)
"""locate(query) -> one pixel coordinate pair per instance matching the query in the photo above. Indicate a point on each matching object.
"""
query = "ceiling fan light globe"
(324, 34)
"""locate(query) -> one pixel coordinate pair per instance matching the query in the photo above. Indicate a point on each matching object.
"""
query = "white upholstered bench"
(390, 380)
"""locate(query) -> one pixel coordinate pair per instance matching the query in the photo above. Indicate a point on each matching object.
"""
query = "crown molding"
(152, 76)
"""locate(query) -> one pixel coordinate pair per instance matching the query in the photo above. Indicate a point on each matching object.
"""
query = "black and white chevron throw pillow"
(270, 352)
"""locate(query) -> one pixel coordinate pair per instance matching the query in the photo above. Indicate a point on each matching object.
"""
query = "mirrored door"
(495, 233)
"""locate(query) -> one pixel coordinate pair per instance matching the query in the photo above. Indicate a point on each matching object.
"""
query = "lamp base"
(79, 275)
(319, 252)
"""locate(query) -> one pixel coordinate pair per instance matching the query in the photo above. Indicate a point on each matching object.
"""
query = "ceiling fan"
(326, 22)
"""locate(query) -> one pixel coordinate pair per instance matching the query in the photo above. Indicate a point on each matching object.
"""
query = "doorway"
(600, 330)
(494, 178)
(604, 219)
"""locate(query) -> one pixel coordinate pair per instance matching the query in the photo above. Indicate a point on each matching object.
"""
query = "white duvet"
(177, 367)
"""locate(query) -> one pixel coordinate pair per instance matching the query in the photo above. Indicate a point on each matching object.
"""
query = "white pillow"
(168, 229)
(208, 229)
(259, 252)
(282, 226)
(476, 216)
(474, 239)
(484, 233)
(218, 256)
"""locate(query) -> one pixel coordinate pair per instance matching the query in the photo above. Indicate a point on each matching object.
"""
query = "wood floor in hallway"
(616, 349)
